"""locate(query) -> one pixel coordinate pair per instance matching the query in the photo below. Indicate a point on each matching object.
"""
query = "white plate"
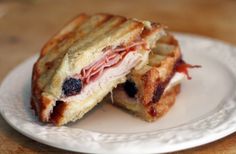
(204, 111)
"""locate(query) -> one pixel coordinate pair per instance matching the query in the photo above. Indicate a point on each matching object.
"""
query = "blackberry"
(130, 88)
(72, 86)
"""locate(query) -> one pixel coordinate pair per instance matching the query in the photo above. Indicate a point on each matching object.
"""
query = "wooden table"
(25, 25)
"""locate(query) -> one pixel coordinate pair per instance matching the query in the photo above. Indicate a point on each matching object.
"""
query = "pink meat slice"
(111, 57)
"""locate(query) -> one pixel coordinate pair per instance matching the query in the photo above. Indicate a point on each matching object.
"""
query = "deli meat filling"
(111, 57)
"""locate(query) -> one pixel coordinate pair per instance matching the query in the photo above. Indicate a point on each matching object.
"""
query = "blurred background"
(25, 25)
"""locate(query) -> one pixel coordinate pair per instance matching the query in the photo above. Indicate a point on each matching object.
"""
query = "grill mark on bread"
(94, 22)
(97, 33)
(76, 22)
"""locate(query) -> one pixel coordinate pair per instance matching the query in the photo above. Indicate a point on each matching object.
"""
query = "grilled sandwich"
(84, 61)
(150, 91)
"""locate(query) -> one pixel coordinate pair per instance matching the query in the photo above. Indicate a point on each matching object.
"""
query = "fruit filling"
(72, 86)
(130, 88)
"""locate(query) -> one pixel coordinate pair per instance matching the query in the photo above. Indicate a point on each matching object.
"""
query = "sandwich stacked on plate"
(88, 58)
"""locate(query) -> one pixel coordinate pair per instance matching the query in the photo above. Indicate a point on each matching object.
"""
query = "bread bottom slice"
(149, 112)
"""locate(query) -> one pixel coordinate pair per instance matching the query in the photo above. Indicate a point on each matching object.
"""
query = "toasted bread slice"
(150, 113)
(66, 62)
(150, 91)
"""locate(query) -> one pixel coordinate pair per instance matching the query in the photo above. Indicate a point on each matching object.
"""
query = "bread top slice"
(79, 44)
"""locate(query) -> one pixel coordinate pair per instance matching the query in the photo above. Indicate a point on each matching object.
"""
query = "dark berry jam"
(130, 88)
(72, 86)
(152, 111)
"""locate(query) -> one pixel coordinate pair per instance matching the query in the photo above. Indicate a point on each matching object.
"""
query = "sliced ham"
(111, 57)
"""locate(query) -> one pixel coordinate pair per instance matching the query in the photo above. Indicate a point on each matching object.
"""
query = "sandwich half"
(151, 90)
(84, 61)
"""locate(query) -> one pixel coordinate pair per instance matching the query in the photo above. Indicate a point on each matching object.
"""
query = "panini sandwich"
(84, 61)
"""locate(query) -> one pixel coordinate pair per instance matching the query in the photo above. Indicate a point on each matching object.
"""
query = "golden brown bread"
(148, 113)
(156, 71)
(76, 46)
(145, 93)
